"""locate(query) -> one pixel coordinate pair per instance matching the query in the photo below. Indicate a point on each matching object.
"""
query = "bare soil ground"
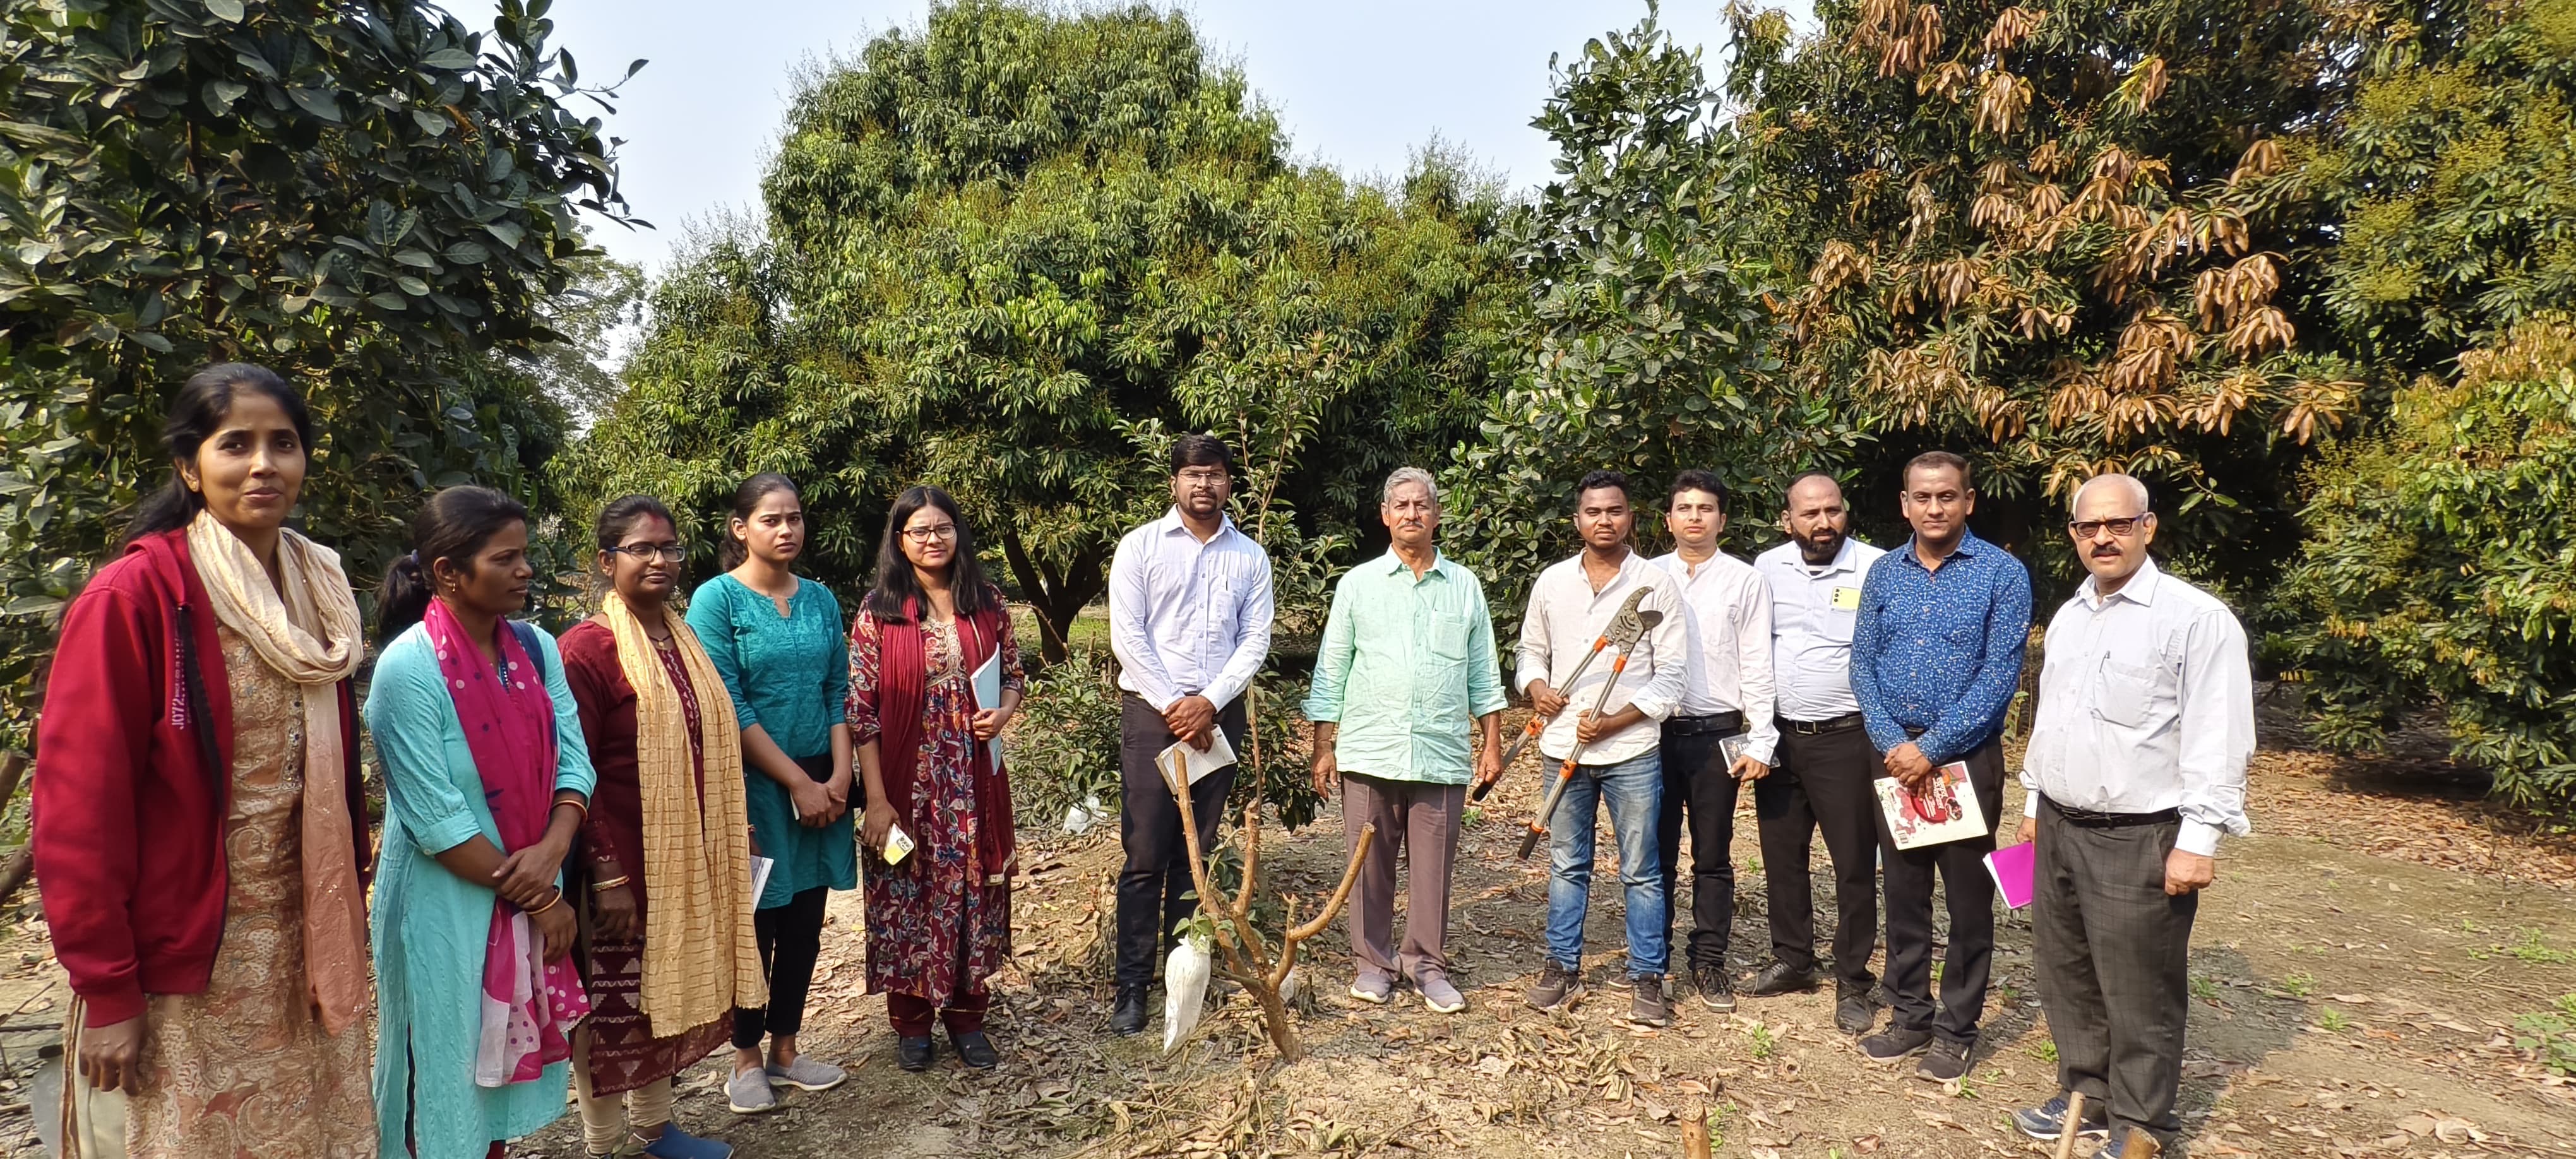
(2359, 967)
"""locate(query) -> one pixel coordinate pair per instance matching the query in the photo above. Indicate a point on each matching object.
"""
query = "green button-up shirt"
(1407, 666)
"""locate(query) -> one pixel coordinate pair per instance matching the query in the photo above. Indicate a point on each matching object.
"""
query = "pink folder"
(2011, 867)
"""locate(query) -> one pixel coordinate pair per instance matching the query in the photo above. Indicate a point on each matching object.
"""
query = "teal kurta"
(791, 676)
(429, 925)
(1405, 667)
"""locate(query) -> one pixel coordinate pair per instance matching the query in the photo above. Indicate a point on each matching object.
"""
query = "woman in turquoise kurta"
(447, 859)
(776, 640)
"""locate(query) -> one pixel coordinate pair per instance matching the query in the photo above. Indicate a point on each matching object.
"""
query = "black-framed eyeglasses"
(648, 552)
(2119, 528)
(926, 534)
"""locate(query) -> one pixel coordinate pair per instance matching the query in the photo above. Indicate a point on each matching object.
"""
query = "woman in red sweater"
(199, 829)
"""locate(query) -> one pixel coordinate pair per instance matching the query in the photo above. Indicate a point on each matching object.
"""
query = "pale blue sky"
(1358, 83)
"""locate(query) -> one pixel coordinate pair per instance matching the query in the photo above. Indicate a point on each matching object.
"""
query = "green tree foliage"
(366, 195)
(2064, 238)
(1646, 343)
(2441, 561)
(2434, 576)
(1012, 253)
(2455, 177)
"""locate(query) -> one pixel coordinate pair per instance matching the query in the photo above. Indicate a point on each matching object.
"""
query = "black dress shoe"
(1127, 1013)
(914, 1054)
(1854, 1012)
(975, 1050)
(1778, 978)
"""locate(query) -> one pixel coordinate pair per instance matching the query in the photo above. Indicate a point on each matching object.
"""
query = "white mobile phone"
(898, 845)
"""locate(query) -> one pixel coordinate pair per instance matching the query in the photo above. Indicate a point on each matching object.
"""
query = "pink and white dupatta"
(530, 1005)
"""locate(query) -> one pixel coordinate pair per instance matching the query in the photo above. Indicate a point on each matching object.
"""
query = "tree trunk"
(1057, 596)
(13, 768)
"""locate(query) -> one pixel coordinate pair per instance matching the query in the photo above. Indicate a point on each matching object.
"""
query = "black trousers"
(1822, 782)
(1961, 867)
(1696, 783)
(791, 937)
(1155, 887)
(2114, 965)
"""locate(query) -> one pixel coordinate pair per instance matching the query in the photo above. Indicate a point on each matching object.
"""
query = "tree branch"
(1332, 907)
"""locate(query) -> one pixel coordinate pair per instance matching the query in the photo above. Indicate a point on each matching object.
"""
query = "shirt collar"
(2140, 590)
(1391, 563)
(1842, 560)
(1171, 523)
(1970, 547)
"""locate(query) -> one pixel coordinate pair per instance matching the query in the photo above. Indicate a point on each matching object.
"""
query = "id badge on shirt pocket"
(1846, 599)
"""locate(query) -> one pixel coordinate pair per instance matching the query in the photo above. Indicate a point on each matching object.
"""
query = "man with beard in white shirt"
(1822, 781)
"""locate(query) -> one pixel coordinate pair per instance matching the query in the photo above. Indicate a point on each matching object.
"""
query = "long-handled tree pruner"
(1619, 622)
(1565, 772)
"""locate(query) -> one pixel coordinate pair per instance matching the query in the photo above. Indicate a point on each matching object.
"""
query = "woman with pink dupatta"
(486, 783)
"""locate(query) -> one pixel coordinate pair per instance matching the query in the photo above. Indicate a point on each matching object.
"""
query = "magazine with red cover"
(1946, 811)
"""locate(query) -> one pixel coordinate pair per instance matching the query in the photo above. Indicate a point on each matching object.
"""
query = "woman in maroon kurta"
(619, 1054)
(939, 920)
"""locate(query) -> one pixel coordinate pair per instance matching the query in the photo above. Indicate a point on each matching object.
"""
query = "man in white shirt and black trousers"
(1726, 692)
(2136, 765)
(1822, 779)
(1189, 620)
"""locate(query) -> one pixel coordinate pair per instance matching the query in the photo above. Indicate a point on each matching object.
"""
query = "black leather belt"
(2089, 819)
(1723, 723)
(1845, 722)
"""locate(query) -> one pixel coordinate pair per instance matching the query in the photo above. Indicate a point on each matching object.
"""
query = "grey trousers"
(2114, 965)
(1419, 820)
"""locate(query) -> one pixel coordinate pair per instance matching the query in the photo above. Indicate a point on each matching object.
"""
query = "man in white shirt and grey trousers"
(2136, 765)
(1570, 606)
(1189, 620)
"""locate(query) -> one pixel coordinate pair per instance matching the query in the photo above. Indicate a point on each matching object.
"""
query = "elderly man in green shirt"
(1407, 667)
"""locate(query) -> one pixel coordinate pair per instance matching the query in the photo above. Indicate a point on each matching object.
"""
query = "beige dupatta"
(701, 957)
(306, 629)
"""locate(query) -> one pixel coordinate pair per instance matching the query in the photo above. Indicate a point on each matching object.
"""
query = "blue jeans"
(1634, 790)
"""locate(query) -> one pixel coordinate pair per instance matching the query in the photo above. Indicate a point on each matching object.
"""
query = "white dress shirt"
(1727, 650)
(1813, 608)
(2146, 703)
(1565, 617)
(1188, 617)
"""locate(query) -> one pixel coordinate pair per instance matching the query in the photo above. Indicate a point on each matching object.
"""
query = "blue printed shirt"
(1940, 651)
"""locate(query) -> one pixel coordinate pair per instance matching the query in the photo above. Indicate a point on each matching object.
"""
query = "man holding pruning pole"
(1609, 749)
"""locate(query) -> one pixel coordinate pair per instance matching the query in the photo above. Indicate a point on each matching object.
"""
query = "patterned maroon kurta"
(934, 930)
(624, 1055)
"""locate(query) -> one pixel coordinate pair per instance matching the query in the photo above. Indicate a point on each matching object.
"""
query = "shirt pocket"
(2133, 697)
(1836, 624)
(1450, 632)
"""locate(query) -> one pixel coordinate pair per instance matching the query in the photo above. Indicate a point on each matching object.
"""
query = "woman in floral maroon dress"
(939, 918)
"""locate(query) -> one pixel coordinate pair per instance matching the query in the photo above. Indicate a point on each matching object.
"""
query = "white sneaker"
(1439, 995)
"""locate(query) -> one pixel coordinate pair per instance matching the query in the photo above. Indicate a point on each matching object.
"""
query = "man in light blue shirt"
(1189, 620)
(1407, 665)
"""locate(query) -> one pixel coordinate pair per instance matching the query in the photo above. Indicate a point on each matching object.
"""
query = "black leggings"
(791, 937)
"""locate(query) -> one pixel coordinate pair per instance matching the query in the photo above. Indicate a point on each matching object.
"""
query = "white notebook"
(1200, 764)
(988, 694)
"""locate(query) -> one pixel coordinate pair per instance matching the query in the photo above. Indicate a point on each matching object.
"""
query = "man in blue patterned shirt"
(1936, 657)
